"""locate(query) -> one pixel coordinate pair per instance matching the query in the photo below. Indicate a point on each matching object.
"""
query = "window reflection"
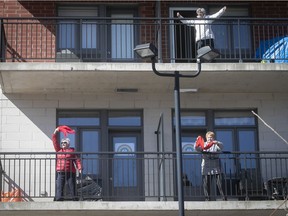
(191, 162)
(79, 118)
(122, 37)
(247, 144)
(122, 118)
(124, 165)
(90, 143)
(80, 121)
(192, 119)
(234, 118)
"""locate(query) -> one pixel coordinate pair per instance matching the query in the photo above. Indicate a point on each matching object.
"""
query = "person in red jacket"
(66, 165)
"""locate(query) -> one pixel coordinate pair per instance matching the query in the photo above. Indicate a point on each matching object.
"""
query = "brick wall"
(35, 39)
(269, 9)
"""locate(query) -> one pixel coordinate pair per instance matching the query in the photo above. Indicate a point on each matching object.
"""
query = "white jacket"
(202, 26)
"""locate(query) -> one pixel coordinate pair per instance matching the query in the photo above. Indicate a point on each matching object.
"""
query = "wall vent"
(126, 90)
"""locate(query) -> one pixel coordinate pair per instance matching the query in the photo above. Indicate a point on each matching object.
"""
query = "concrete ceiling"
(107, 77)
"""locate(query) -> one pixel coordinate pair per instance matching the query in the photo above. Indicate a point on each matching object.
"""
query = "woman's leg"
(60, 181)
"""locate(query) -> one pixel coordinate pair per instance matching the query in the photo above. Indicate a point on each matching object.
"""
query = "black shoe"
(207, 198)
(224, 198)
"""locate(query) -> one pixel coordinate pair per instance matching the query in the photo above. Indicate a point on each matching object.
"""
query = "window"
(84, 36)
(115, 131)
(237, 30)
(124, 118)
(78, 38)
(236, 129)
(122, 36)
(193, 119)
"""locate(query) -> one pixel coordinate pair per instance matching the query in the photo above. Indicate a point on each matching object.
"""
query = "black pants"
(207, 179)
(206, 42)
(61, 179)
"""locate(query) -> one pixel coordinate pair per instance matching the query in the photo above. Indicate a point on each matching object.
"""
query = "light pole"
(204, 54)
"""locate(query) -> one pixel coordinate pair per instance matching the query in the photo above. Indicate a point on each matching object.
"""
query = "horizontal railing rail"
(85, 39)
(144, 176)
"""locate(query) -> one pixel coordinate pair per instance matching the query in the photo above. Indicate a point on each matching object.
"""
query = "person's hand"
(56, 130)
(80, 171)
(178, 14)
(224, 8)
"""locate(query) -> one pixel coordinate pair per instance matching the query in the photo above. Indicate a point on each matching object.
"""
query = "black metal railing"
(140, 176)
(108, 39)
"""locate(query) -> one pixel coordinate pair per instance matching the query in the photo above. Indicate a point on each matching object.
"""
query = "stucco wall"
(27, 121)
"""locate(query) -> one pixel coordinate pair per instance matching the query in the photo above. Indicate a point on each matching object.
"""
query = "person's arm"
(78, 164)
(54, 140)
(219, 145)
(187, 22)
(198, 148)
(218, 14)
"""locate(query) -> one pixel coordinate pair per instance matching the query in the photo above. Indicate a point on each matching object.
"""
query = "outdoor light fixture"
(207, 53)
(148, 50)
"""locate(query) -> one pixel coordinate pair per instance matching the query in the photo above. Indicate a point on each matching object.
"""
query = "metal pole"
(178, 143)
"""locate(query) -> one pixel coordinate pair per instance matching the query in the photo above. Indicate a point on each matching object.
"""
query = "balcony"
(259, 178)
(112, 40)
(82, 52)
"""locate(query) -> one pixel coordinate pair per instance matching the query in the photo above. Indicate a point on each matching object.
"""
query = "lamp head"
(147, 50)
(207, 54)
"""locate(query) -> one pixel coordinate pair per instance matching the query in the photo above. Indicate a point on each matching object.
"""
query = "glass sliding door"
(125, 167)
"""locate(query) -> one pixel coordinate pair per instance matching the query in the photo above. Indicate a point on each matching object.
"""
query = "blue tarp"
(275, 49)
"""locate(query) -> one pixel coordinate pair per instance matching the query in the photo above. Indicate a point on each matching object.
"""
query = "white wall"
(28, 121)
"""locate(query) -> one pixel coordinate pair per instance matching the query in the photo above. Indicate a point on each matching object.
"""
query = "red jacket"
(66, 162)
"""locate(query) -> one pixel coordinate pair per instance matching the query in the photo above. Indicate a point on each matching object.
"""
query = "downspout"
(159, 27)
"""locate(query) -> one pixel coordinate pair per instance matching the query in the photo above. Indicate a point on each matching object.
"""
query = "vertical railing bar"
(239, 41)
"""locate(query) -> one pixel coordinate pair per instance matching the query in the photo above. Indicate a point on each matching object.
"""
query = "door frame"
(172, 11)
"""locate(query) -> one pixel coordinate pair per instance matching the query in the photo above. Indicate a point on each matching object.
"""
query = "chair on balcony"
(89, 188)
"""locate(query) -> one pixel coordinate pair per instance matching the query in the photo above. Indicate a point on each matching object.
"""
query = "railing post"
(80, 40)
(239, 42)
(2, 42)
(1, 176)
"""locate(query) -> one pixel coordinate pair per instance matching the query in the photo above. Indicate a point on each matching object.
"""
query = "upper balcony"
(97, 47)
(112, 40)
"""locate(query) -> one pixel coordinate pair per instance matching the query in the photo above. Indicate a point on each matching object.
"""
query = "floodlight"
(147, 50)
(207, 54)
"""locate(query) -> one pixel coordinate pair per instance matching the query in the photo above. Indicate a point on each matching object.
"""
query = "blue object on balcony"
(274, 50)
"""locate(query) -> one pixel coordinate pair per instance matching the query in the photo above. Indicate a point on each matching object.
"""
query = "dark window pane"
(79, 121)
(90, 143)
(123, 118)
(234, 118)
(226, 137)
(192, 119)
(247, 144)
(79, 118)
(124, 172)
(191, 162)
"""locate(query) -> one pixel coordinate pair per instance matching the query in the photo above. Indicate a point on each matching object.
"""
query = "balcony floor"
(107, 77)
(165, 208)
